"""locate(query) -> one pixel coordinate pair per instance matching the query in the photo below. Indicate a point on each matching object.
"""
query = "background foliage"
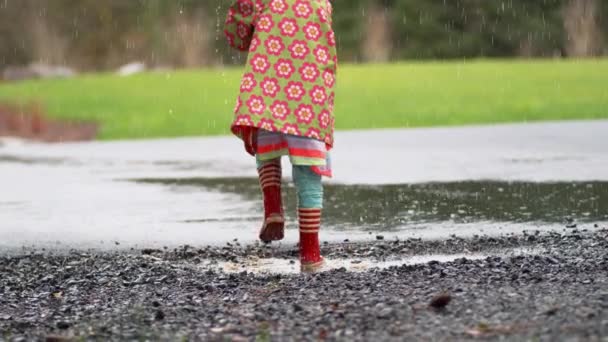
(93, 34)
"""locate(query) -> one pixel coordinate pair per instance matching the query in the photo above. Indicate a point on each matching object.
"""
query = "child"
(285, 106)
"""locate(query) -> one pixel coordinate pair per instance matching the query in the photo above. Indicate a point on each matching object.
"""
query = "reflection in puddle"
(392, 207)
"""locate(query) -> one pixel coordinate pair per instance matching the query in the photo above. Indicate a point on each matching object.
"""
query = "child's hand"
(239, 24)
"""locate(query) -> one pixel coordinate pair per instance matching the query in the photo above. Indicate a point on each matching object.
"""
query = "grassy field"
(369, 96)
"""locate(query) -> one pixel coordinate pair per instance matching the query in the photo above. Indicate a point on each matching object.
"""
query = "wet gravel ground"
(558, 293)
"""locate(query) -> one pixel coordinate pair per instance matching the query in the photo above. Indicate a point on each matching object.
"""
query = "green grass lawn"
(369, 96)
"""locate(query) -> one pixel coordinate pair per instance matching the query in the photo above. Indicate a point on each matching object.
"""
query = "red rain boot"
(274, 220)
(310, 252)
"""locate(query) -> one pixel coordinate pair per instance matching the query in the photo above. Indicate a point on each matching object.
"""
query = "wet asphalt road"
(512, 219)
(406, 183)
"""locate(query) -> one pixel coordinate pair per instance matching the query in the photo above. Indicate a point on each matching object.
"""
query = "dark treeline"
(93, 34)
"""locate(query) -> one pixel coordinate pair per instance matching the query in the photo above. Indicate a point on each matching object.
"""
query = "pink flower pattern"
(322, 14)
(255, 42)
(321, 54)
(312, 31)
(243, 120)
(256, 105)
(302, 9)
(248, 83)
(318, 95)
(246, 8)
(280, 110)
(305, 113)
(329, 78)
(290, 76)
(295, 91)
(313, 133)
(324, 119)
(270, 87)
(267, 124)
(289, 27)
(265, 23)
(274, 45)
(309, 72)
(331, 38)
(299, 49)
(260, 63)
(291, 129)
(243, 30)
(284, 68)
(278, 6)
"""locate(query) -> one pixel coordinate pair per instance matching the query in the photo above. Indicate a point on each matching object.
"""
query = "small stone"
(159, 315)
(552, 260)
(385, 313)
(552, 311)
(379, 237)
(63, 325)
(440, 301)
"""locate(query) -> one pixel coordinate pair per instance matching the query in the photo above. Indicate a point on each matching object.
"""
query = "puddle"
(284, 266)
(393, 207)
(422, 183)
(290, 266)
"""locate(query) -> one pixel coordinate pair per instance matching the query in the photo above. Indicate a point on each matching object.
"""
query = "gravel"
(559, 292)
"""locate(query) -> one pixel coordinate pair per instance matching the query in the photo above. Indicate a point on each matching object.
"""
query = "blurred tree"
(377, 45)
(476, 28)
(98, 35)
(582, 26)
(348, 21)
(603, 18)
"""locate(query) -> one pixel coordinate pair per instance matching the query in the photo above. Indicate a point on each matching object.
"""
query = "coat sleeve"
(239, 25)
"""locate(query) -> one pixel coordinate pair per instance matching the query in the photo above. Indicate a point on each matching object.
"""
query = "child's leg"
(270, 182)
(310, 204)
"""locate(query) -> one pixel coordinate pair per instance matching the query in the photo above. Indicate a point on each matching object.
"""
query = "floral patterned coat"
(288, 85)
